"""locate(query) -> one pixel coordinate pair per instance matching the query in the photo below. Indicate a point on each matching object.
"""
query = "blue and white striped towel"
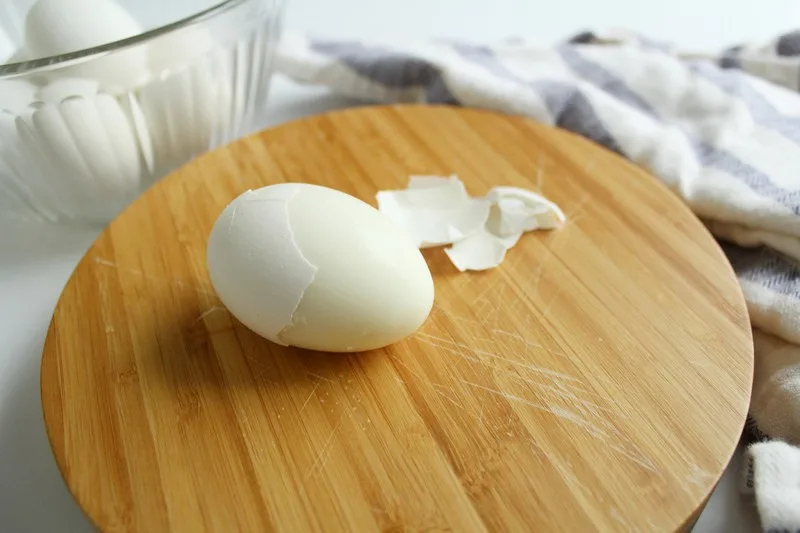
(722, 131)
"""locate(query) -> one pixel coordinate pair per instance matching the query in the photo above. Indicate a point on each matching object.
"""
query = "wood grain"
(597, 381)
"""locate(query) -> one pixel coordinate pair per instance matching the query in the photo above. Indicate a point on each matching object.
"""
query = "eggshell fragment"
(312, 267)
(481, 251)
(438, 211)
(434, 210)
(524, 210)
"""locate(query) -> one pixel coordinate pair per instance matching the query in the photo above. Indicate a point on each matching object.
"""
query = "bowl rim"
(13, 70)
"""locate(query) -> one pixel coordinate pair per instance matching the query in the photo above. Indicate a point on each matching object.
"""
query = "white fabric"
(748, 237)
(776, 483)
(776, 388)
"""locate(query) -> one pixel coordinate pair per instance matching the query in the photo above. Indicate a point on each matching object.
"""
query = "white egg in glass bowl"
(99, 99)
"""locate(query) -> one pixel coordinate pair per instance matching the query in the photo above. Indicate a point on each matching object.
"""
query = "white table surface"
(36, 260)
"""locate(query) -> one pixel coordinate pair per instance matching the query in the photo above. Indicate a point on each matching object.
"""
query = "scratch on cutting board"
(558, 388)
(489, 319)
(305, 403)
(493, 316)
(105, 262)
(484, 302)
(462, 355)
(617, 516)
(532, 368)
(561, 391)
(208, 313)
(556, 377)
(413, 373)
(699, 477)
(467, 280)
(574, 418)
(323, 378)
(635, 457)
(575, 388)
(435, 308)
(512, 305)
(652, 526)
(445, 343)
(578, 210)
(103, 293)
(319, 460)
(465, 320)
(552, 301)
(440, 391)
(171, 282)
(705, 365)
(566, 471)
(480, 417)
(521, 400)
(481, 304)
(537, 275)
(587, 409)
(565, 414)
(591, 409)
(527, 342)
(451, 351)
(567, 395)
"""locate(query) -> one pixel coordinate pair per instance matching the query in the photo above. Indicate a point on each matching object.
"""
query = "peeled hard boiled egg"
(312, 267)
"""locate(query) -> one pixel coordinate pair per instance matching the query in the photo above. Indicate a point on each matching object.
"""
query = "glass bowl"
(84, 133)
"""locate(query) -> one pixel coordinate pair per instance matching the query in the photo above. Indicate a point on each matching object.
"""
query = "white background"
(35, 261)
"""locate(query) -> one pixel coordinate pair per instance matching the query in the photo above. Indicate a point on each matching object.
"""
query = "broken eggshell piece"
(312, 267)
(434, 210)
(481, 251)
(438, 211)
(521, 210)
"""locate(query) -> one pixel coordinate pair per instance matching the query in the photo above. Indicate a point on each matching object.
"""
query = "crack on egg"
(252, 242)
(295, 319)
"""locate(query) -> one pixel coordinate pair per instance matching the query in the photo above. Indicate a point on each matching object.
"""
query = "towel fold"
(774, 477)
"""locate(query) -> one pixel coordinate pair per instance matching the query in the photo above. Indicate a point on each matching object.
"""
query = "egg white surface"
(312, 267)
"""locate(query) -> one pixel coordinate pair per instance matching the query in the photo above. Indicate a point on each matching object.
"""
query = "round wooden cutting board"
(597, 381)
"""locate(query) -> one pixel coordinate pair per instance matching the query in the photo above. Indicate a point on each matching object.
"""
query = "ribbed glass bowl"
(84, 134)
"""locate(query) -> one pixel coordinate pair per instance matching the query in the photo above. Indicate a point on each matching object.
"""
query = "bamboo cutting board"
(597, 381)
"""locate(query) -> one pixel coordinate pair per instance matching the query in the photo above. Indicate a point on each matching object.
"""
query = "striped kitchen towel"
(721, 131)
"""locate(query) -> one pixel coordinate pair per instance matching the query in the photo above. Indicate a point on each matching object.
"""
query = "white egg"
(312, 267)
(54, 27)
